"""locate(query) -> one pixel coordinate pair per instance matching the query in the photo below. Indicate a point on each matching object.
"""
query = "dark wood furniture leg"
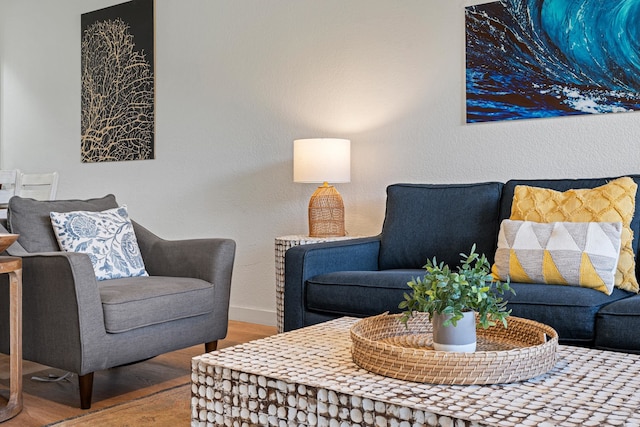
(210, 346)
(85, 382)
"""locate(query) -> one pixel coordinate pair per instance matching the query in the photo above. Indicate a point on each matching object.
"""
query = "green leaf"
(469, 287)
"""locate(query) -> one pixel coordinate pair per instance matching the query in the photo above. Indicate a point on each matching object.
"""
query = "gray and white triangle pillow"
(569, 253)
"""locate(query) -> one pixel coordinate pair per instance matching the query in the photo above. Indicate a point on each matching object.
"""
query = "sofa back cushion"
(441, 220)
(30, 218)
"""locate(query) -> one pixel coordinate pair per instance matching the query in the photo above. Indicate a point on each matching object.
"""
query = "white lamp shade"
(322, 160)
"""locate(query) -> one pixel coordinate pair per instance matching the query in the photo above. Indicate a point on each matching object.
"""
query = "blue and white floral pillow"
(107, 237)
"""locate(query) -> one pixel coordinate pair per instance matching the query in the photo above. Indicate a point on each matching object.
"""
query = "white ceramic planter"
(459, 338)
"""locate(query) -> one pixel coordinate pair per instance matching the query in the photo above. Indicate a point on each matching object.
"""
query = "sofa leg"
(85, 383)
(210, 346)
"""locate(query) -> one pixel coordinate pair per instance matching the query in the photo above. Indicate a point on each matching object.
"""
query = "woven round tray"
(383, 345)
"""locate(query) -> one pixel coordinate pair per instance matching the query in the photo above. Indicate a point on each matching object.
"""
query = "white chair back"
(39, 186)
(8, 186)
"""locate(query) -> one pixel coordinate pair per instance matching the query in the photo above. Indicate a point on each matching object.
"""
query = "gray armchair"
(73, 322)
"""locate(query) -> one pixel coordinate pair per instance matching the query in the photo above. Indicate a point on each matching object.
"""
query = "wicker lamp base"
(326, 212)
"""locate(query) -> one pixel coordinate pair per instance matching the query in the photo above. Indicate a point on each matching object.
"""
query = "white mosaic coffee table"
(307, 378)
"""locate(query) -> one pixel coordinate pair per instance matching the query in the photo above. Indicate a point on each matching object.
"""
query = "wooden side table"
(282, 244)
(13, 266)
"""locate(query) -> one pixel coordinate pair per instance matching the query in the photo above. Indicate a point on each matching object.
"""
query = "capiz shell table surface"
(307, 377)
(282, 244)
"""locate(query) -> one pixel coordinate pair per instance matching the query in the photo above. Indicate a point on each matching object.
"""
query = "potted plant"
(452, 299)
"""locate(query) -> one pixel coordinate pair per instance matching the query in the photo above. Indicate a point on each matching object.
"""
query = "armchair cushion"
(30, 218)
(136, 302)
(107, 237)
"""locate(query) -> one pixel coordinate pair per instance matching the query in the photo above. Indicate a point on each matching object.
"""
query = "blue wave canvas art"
(546, 58)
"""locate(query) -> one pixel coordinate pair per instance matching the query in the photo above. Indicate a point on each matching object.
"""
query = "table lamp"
(323, 160)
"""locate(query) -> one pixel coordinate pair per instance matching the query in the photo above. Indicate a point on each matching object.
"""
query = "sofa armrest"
(306, 261)
(206, 259)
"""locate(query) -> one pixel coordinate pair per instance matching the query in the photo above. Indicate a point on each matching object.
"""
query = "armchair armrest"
(306, 261)
(55, 284)
(207, 259)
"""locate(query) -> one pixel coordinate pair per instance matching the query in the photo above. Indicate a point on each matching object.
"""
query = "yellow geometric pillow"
(612, 202)
(561, 253)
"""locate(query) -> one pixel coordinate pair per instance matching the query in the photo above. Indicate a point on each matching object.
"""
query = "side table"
(13, 266)
(282, 244)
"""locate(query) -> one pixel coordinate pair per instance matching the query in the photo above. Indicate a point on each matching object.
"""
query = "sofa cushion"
(611, 202)
(423, 221)
(358, 293)
(570, 310)
(563, 253)
(136, 302)
(30, 218)
(617, 326)
(107, 237)
(568, 184)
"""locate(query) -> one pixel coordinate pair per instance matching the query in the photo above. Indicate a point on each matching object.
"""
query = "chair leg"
(210, 346)
(86, 388)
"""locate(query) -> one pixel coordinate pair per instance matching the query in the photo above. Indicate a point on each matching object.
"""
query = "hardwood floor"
(48, 402)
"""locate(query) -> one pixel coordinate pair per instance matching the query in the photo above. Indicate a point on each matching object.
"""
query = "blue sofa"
(368, 276)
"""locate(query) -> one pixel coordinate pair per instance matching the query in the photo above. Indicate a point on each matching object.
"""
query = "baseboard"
(252, 315)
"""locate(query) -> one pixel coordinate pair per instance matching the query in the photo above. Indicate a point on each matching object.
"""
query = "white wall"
(238, 81)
